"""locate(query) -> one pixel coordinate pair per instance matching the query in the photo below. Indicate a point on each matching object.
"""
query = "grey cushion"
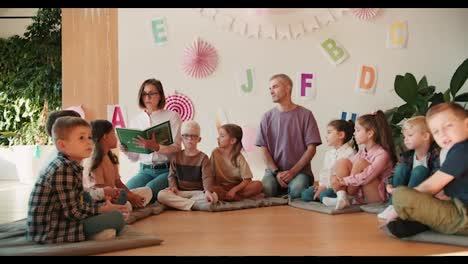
(374, 208)
(13, 243)
(321, 208)
(434, 237)
(244, 204)
(152, 209)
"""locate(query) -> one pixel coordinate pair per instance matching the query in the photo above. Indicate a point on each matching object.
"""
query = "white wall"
(10, 27)
(436, 46)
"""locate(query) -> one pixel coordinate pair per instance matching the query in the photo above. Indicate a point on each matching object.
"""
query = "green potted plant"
(419, 97)
(30, 85)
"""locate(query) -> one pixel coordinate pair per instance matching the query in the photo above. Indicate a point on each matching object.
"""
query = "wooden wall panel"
(90, 59)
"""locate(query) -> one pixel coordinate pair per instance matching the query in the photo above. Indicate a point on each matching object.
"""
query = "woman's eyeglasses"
(148, 94)
(187, 136)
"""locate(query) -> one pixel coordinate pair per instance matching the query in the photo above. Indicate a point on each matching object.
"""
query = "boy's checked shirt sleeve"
(56, 205)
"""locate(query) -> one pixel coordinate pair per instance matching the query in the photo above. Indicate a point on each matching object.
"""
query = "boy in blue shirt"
(426, 207)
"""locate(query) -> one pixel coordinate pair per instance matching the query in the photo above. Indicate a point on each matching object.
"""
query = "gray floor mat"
(152, 209)
(321, 208)
(374, 208)
(434, 237)
(13, 243)
(244, 204)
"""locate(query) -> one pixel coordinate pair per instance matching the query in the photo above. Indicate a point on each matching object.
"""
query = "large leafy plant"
(420, 96)
(30, 79)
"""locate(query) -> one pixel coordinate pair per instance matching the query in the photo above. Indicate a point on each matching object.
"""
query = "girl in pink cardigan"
(363, 176)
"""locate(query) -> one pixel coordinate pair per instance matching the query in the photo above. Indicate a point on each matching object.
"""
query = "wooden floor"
(280, 230)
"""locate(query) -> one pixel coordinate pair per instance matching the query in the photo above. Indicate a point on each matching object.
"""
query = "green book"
(127, 136)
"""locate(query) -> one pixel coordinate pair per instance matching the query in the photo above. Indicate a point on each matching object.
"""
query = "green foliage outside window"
(31, 79)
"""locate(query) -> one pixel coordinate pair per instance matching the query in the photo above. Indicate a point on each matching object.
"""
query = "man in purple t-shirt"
(288, 137)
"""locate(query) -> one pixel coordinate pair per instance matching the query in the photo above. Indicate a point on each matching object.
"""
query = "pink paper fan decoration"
(180, 104)
(200, 59)
(364, 13)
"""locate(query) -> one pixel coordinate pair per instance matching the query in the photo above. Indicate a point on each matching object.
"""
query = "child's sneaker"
(328, 201)
(392, 215)
(384, 214)
(105, 234)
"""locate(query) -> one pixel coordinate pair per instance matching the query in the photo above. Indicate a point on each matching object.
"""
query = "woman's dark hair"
(99, 129)
(348, 128)
(382, 133)
(234, 131)
(159, 89)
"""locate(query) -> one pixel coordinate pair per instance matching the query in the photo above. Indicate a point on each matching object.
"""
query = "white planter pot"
(28, 163)
(7, 163)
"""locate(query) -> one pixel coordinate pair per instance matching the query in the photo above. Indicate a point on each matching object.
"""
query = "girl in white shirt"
(154, 167)
(339, 135)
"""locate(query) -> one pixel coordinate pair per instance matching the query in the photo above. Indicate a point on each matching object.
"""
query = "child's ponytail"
(377, 122)
(350, 131)
(348, 128)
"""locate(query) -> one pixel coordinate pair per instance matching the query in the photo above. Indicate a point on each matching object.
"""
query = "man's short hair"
(65, 124)
(56, 114)
(283, 77)
(191, 125)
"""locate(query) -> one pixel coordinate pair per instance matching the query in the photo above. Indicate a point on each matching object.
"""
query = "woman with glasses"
(154, 167)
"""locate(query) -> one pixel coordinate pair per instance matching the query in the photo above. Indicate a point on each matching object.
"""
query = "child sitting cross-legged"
(361, 179)
(339, 138)
(57, 209)
(426, 206)
(102, 171)
(190, 175)
(415, 165)
(232, 172)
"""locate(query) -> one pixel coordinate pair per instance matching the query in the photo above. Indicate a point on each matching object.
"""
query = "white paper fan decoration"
(200, 59)
(364, 13)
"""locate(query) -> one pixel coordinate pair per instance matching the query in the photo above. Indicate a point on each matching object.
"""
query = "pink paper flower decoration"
(180, 104)
(364, 13)
(200, 59)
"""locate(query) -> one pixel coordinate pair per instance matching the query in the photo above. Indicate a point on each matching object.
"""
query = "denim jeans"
(155, 179)
(296, 186)
(110, 220)
(308, 194)
(403, 176)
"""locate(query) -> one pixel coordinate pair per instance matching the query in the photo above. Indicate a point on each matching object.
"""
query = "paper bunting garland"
(180, 104)
(273, 23)
(364, 13)
(200, 59)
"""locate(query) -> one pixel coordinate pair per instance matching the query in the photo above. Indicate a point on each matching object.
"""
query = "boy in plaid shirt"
(57, 210)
